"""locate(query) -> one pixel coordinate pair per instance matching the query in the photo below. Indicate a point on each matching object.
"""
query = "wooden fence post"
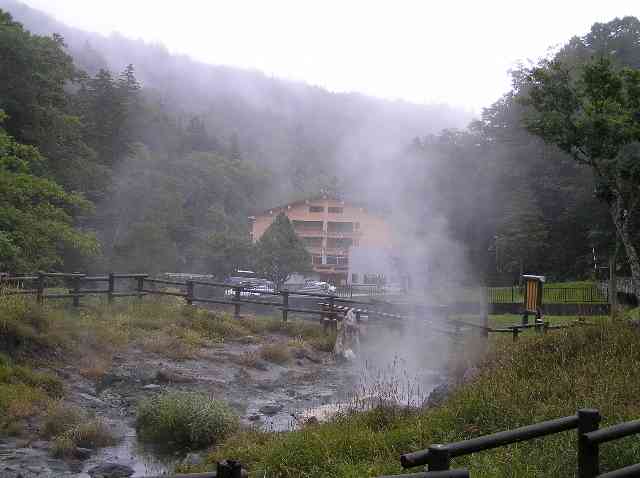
(75, 280)
(333, 316)
(40, 288)
(439, 458)
(515, 331)
(236, 299)
(588, 460)
(140, 286)
(229, 469)
(190, 289)
(112, 287)
(285, 305)
(613, 286)
(484, 308)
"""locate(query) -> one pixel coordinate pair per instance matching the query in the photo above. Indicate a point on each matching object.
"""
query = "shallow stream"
(392, 366)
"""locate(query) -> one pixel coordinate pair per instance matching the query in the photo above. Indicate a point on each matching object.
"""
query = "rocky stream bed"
(264, 394)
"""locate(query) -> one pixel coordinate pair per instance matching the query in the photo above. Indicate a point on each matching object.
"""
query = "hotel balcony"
(304, 232)
(343, 235)
(337, 251)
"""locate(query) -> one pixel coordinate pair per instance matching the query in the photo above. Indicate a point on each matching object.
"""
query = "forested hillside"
(520, 203)
(159, 159)
(174, 153)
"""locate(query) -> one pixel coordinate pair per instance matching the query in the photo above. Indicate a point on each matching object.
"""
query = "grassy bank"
(162, 325)
(44, 338)
(539, 378)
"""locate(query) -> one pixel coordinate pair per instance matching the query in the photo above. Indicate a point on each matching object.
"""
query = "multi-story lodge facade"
(330, 229)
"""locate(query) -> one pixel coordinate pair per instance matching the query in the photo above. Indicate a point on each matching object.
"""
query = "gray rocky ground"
(264, 394)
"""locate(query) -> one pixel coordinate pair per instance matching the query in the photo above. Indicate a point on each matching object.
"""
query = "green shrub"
(276, 353)
(91, 434)
(24, 326)
(69, 427)
(59, 418)
(62, 447)
(185, 420)
(24, 392)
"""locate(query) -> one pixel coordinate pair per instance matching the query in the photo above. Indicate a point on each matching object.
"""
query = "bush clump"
(23, 393)
(276, 353)
(70, 427)
(185, 420)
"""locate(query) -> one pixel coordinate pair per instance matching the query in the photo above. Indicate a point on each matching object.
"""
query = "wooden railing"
(77, 287)
(331, 308)
(586, 421)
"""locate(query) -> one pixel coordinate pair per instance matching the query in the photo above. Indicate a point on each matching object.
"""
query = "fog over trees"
(175, 154)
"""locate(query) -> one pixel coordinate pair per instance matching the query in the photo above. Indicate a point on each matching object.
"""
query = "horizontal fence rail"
(438, 456)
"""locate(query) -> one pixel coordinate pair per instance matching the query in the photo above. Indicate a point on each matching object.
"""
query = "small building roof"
(308, 199)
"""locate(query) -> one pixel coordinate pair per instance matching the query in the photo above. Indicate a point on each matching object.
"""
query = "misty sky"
(425, 51)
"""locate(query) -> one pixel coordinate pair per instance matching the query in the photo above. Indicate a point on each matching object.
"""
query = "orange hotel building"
(330, 229)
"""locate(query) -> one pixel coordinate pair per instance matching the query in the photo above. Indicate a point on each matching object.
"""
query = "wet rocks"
(93, 401)
(167, 376)
(82, 453)
(193, 459)
(110, 470)
(262, 365)
(270, 409)
(438, 395)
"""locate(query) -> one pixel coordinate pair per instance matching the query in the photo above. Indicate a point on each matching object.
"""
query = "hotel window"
(354, 278)
(336, 210)
(317, 260)
(317, 209)
(312, 241)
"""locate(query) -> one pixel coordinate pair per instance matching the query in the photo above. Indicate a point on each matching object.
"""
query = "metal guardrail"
(438, 456)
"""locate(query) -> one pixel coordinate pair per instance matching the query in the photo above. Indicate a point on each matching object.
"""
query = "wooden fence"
(589, 438)
(331, 307)
(80, 285)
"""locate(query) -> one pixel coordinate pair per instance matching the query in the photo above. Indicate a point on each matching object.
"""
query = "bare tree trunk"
(622, 218)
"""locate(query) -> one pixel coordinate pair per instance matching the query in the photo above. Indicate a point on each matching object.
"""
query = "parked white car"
(253, 287)
(318, 287)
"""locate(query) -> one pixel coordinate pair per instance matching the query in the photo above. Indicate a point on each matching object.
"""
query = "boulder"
(83, 453)
(438, 395)
(110, 470)
(193, 459)
(270, 409)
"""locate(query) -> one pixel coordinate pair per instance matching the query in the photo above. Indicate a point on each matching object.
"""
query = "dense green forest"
(118, 155)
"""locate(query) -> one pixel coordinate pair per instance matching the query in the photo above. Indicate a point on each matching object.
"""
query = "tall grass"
(185, 420)
(539, 378)
(23, 393)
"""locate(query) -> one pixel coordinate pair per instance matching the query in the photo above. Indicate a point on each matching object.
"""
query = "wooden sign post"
(532, 297)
